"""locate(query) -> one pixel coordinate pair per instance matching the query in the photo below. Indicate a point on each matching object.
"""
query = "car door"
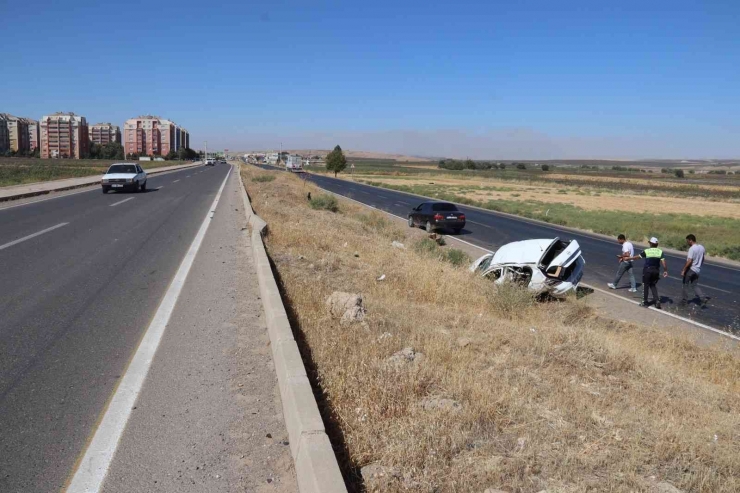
(563, 259)
(415, 214)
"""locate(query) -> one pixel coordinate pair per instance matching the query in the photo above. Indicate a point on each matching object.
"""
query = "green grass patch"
(456, 257)
(263, 178)
(324, 202)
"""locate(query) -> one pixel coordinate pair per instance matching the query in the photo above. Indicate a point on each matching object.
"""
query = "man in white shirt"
(628, 250)
(690, 272)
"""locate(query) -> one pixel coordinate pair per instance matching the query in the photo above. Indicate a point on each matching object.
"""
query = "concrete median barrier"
(317, 470)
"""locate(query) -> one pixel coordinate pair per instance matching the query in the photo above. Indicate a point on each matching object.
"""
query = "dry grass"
(584, 197)
(552, 397)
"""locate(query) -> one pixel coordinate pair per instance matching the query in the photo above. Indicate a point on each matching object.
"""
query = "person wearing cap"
(654, 258)
(624, 265)
(691, 270)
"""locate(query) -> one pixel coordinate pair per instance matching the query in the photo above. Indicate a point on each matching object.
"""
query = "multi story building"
(64, 135)
(33, 134)
(105, 133)
(4, 140)
(153, 135)
(16, 133)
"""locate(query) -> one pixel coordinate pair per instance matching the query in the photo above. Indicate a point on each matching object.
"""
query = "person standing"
(654, 258)
(628, 250)
(691, 270)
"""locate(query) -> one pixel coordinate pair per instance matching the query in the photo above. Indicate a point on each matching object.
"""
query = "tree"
(171, 155)
(545, 167)
(678, 173)
(335, 161)
(521, 166)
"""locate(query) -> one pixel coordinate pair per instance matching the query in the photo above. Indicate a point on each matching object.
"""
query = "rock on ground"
(442, 403)
(379, 478)
(348, 307)
(404, 357)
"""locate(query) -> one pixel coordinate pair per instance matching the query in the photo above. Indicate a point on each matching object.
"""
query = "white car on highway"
(124, 176)
(546, 266)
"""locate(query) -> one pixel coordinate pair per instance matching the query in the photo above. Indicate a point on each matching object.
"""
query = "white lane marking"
(662, 312)
(93, 467)
(159, 188)
(175, 181)
(701, 285)
(122, 201)
(34, 235)
(187, 176)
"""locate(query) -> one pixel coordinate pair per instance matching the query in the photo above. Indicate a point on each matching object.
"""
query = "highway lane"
(490, 230)
(74, 302)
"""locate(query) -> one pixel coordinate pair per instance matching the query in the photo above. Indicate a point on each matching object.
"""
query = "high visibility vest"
(652, 259)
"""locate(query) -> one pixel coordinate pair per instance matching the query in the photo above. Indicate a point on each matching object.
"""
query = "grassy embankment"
(548, 396)
(720, 236)
(19, 171)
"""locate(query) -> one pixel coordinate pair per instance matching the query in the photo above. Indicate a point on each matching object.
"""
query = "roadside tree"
(335, 161)
(678, 173)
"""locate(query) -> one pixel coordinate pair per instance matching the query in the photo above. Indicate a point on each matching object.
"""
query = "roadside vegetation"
(452, 384)
(19, 171)
(720, 235)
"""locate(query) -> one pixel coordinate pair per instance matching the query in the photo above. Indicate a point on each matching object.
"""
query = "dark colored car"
(437, 215)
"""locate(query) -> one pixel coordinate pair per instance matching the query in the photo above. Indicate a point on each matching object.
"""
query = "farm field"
(452, 384)
(640, 205)
(20, 171)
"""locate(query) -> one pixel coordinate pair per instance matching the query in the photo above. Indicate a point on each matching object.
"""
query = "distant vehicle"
(124, 176)
(546, 266)
(210, 162)
(437, 215)
(294, 163)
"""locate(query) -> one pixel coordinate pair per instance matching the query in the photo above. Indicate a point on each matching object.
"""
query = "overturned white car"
(545, 266)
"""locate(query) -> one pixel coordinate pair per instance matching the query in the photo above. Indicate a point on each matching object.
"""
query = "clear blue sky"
(487, 79)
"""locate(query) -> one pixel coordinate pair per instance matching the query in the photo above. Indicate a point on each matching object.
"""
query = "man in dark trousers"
(691, 270)
(654, 258)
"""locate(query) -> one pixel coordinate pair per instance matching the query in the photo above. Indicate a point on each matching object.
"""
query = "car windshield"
(444, 207)
(122, 168)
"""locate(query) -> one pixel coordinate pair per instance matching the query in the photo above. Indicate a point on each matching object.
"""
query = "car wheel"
(105, 190)
(411, 222)
(429, 228)
(143, 187)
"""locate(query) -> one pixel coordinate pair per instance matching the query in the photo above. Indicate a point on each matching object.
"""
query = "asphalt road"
(82, 276)
(490, 230)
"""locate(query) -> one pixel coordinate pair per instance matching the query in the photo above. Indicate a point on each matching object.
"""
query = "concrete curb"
(91, 181)
(317, 470)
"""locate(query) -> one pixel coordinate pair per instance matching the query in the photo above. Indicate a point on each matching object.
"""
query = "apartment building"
(33, 134)
(4, 140)
(14, 136)
(64, 135)
(105, 133)
(153, 135)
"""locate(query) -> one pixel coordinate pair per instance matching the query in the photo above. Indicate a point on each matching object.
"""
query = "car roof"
(522, 252)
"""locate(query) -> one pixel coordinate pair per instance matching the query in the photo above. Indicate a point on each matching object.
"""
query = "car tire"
(105, 189)
(411, 222)
(429, 227)
(143, 187)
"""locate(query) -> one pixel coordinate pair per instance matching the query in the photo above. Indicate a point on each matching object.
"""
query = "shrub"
(456, 257)
(545, 167)
(678, 173)
(324, 202)
(263, 178)
(521, 166)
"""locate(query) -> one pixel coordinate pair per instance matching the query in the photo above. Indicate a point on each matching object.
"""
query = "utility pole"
(205, 160)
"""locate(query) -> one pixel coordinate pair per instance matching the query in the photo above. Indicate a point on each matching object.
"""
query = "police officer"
(654, 257)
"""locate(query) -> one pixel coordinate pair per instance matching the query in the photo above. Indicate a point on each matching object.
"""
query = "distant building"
(153, 135)
(64, 135)
(33, 134)
(15, 136)
(4, 140)
(105, 133)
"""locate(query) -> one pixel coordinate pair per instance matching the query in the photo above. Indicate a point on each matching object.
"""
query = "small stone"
(269, 435)
(463, 342)
(440, 403)
(356, 254)
(404, 357)
(398, 244)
